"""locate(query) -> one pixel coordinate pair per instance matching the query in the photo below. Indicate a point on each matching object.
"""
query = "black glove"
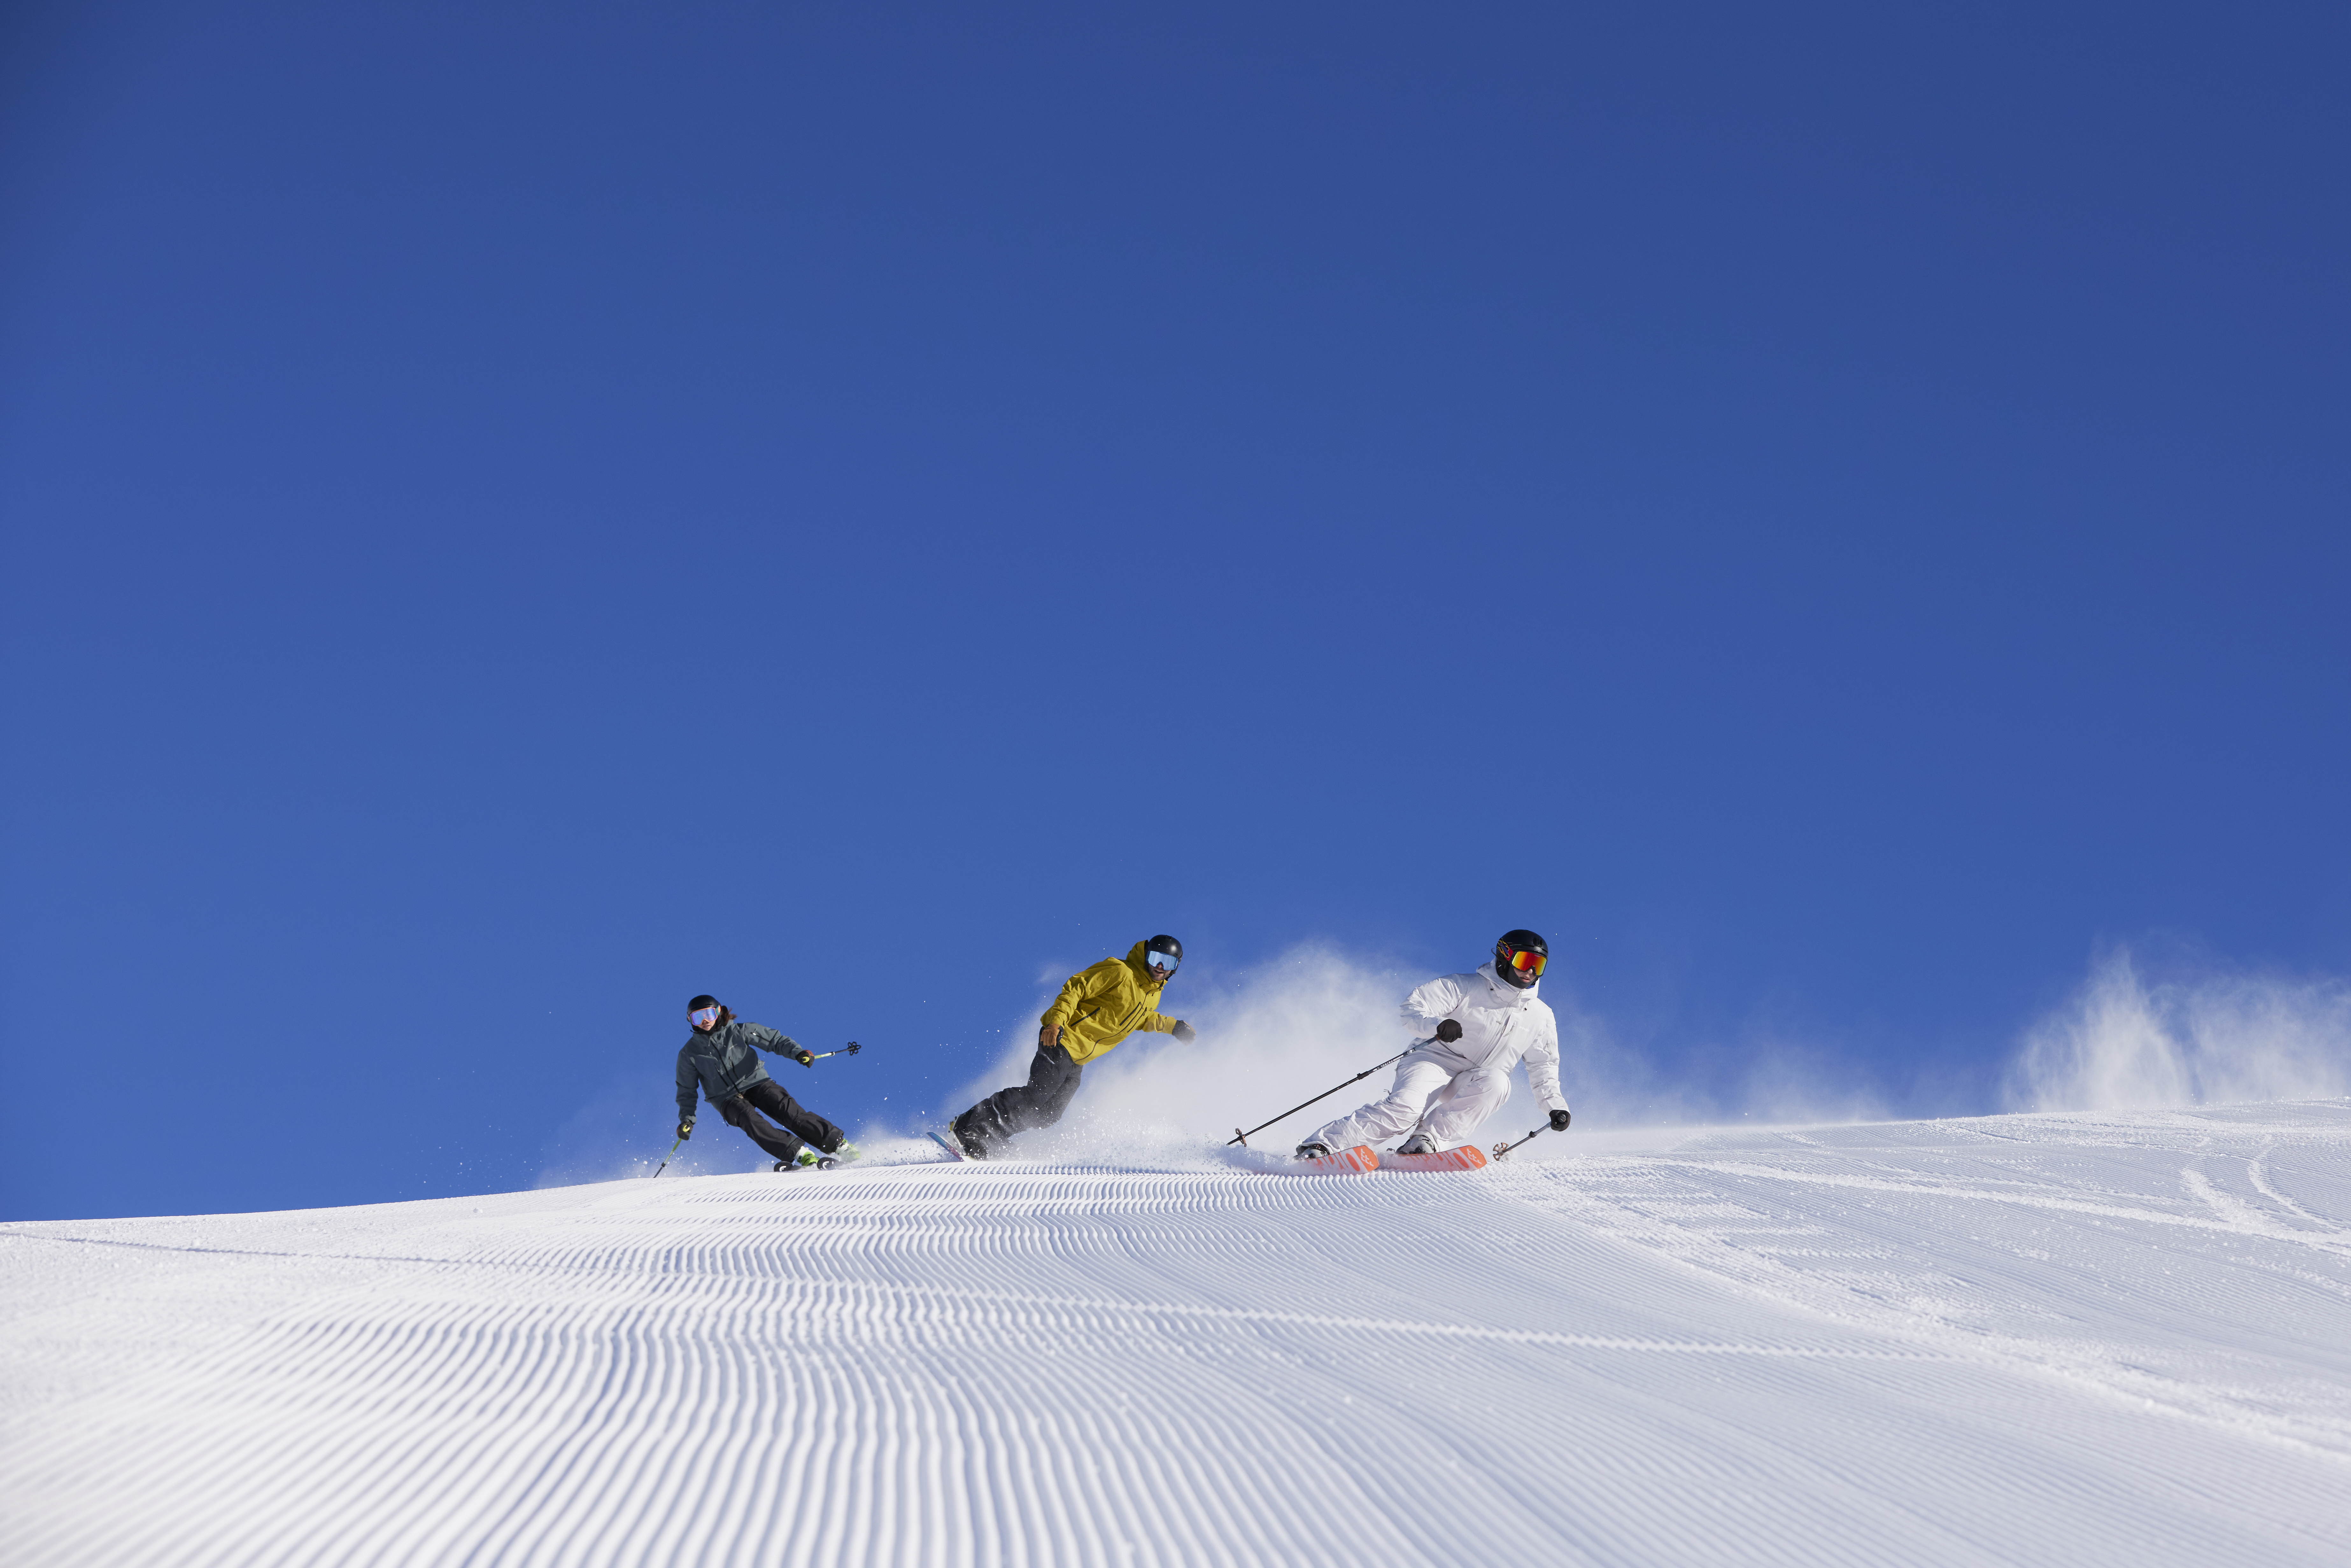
(685, 1129)
(1448, 1031)
(1558, 1121)
(1183, 1030)
(804, 1057)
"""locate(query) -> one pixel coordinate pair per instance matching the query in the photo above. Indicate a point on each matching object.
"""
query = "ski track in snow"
(2067, 1338)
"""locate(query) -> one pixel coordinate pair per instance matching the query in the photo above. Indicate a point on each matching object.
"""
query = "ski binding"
(1342, 1162)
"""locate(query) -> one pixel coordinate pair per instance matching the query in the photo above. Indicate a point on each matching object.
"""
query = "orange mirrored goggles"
(1527, 961)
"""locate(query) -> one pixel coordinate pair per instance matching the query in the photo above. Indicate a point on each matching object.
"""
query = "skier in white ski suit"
(1468, 1032)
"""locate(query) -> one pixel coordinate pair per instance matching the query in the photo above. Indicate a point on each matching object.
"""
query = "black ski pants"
(1052, 1081)
(799, 1125)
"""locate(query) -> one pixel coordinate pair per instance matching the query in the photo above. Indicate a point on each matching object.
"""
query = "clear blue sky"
(518, 514)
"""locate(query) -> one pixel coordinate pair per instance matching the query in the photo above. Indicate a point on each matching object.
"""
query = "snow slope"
(2070, 1339)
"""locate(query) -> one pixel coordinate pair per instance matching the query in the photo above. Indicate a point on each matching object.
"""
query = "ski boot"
(1311, 1151)
(967, 1140)
(835, 1160)
(1418, 1143)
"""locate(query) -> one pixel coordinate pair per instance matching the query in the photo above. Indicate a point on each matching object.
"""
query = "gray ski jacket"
(724, 1062)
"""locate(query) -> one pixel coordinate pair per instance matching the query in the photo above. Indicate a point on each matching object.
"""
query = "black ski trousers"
(1053, 1079)
(799, 1125)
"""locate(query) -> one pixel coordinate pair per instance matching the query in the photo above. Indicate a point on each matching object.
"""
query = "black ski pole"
(851, 1049)
(1242, 1138)
(1501, 1149)
(664, 1165)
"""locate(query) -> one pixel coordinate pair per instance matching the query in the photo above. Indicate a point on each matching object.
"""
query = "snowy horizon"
(2071, 1336)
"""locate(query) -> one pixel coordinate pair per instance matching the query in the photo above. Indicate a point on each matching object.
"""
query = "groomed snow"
(2071, 1339)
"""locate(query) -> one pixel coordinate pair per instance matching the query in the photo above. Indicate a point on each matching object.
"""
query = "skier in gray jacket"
(721, 1058)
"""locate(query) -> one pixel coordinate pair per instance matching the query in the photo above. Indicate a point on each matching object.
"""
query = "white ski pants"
(1433, 1097)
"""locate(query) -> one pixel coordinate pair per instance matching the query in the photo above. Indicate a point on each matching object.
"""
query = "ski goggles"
(704, 1018)
(1164, 962)
(1527, 962)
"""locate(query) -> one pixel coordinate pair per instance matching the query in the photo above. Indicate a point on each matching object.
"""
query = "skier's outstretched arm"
(1166, 1025)
(777, 1042)
(686, 1085)
(1542, 1077)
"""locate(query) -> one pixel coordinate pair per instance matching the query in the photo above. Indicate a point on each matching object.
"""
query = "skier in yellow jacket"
(1098, 1007)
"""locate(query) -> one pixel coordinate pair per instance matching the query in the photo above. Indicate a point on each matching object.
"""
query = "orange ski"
(1468, 1157)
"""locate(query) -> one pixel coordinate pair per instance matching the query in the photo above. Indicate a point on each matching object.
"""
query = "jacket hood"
(1138, 961)
(1503, 986)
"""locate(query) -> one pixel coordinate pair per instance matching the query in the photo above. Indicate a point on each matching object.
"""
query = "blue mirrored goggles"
(1164, 962)
(704, 1018)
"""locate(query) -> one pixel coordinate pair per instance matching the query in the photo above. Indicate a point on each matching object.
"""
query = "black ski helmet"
(701, 1002)
(1519, 941)
(1163, 943)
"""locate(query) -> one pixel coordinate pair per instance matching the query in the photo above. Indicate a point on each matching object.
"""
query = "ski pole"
(1501, 1149)
(664, 1165)
(1242, 1138)
(851, 1049)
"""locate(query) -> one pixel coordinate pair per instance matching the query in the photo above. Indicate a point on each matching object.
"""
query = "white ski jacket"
(1501, 1025)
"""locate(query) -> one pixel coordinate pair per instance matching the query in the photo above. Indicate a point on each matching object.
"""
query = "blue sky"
(518, 514)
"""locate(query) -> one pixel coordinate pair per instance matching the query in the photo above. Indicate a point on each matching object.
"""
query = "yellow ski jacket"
(1104, 1003)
